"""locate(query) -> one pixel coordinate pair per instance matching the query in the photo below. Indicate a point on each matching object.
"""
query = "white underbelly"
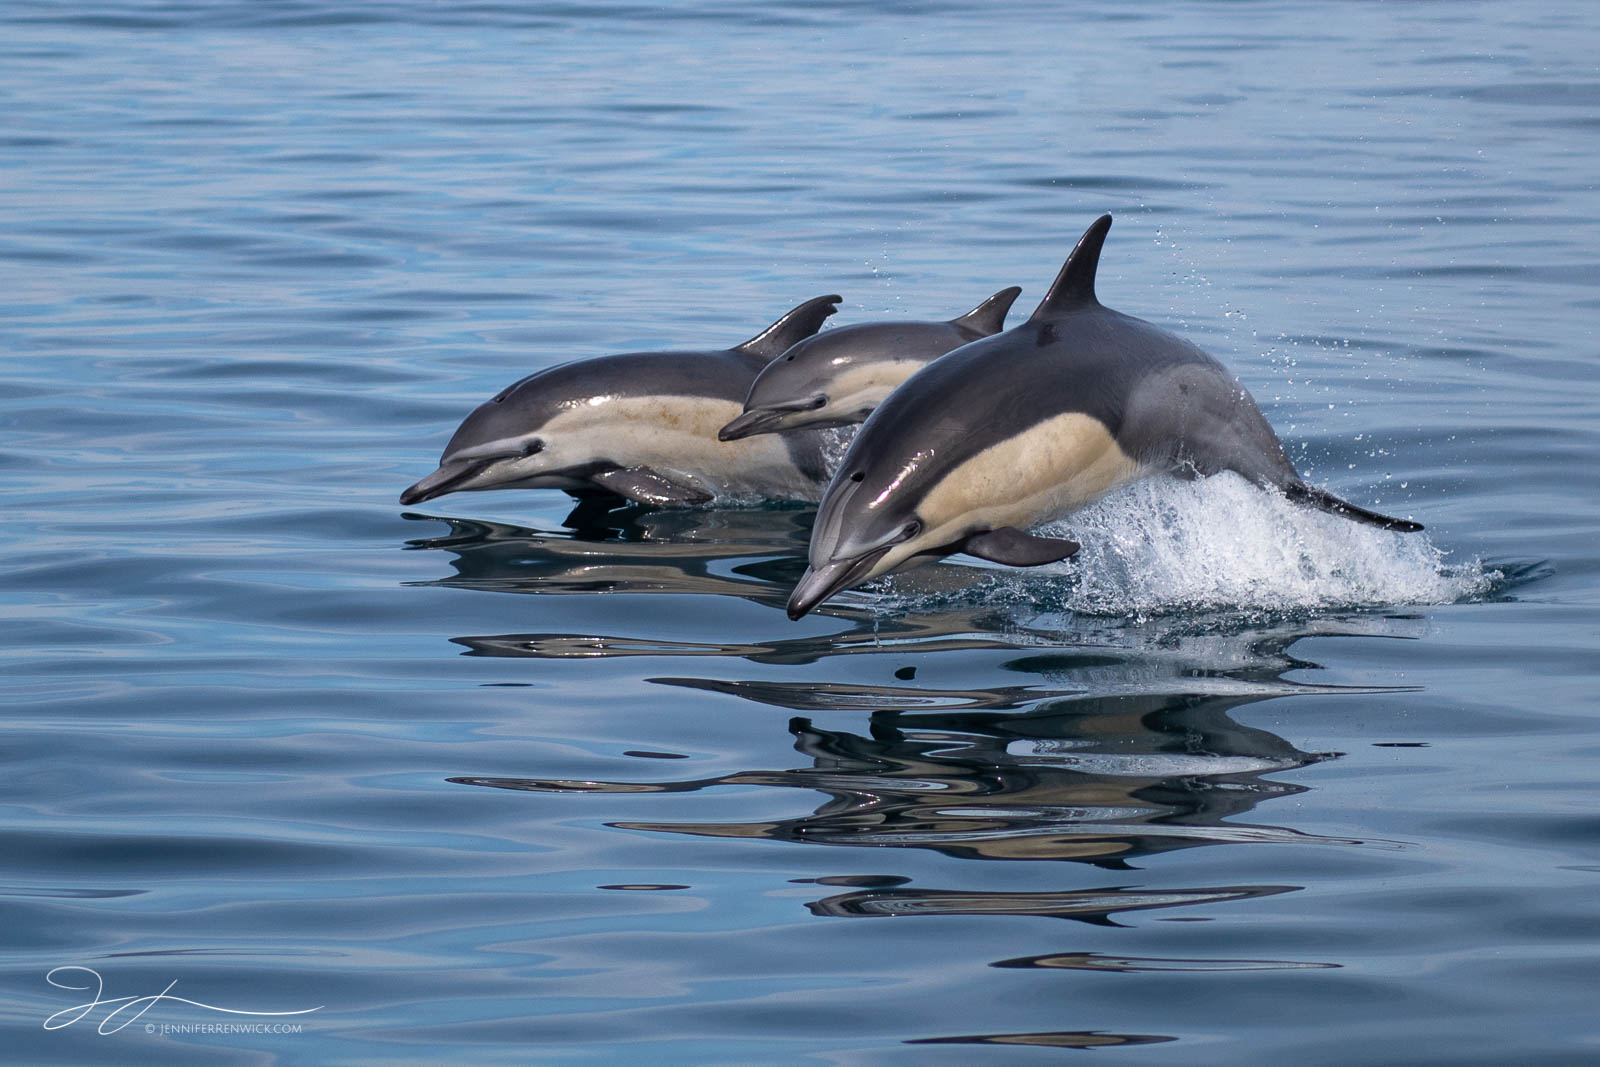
(863, 388)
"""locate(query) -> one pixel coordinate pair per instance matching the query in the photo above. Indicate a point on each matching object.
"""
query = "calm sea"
(485, 781)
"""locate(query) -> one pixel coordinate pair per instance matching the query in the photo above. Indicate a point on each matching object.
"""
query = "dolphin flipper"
(1014, 548)
(1301, 493)
(645, 486)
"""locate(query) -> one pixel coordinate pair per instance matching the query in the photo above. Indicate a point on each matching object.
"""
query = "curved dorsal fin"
(1074, 286)
(990, 316)
(797, 325)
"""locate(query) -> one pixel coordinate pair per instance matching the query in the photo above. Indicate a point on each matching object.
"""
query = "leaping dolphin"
(1030, 425)
(836, 378)
(641, 425)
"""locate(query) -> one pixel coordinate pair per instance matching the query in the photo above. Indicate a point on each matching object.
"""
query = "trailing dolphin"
(1029, 425)
(642, 425)
(837, 378)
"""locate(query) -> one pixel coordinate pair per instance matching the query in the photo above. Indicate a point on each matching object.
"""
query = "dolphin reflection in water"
(1038, 770)
(749, 555)
(746, 554)
(1099, 780)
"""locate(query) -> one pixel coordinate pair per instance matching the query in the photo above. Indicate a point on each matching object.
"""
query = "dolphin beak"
(442, 481)
(750, 423)
(766, 419)
(819, 583)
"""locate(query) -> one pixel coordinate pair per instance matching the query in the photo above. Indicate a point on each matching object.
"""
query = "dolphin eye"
(532, 448)
(911, 529)
(857, 476)
(818, 402)
(788, 359)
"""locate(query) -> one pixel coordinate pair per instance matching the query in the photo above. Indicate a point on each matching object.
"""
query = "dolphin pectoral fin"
(1302, 493)
(1014, 548)
(645, 486)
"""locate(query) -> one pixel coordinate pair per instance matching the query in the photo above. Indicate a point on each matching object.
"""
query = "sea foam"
(1165, 546)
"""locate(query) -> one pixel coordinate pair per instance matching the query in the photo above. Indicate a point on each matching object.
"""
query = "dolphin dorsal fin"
(1074, 286)
(797, 325)
(989, 317)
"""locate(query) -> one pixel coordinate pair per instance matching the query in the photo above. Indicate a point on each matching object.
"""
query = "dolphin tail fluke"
(989, 317)
(797, 325)
(1074, 286)
(1311, 496)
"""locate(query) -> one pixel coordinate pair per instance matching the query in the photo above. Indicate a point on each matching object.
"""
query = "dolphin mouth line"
(442, 481)
(818, 584)
(760, 420)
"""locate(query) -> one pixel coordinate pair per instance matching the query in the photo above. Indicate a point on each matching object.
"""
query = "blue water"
(484, 782)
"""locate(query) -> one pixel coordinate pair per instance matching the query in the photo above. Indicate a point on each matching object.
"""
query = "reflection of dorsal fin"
(1074, 286)
(799, 324)
(990, 316)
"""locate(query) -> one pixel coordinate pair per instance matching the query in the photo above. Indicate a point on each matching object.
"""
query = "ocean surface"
(497, 780)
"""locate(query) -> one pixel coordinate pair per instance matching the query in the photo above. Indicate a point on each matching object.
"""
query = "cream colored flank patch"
(675, 436)
(1043, 473)
(863, 386)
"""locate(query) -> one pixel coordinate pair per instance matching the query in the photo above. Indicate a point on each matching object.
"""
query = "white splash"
(835, 443)
(1164, 546)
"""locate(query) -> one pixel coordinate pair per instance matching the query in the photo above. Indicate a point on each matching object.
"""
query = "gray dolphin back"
(1166, 402)
(534, 400)
(1090, 362)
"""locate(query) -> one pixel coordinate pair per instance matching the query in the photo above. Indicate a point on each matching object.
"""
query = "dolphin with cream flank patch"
(836, 378)
(642, 425)
(1030, 425)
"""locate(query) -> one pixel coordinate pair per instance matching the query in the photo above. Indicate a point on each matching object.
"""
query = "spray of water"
(1170, 547)
(835, 441)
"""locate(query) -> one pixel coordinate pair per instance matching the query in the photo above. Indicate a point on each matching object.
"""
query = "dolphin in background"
(836, 378)
(642, 425)
(1030, 425)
